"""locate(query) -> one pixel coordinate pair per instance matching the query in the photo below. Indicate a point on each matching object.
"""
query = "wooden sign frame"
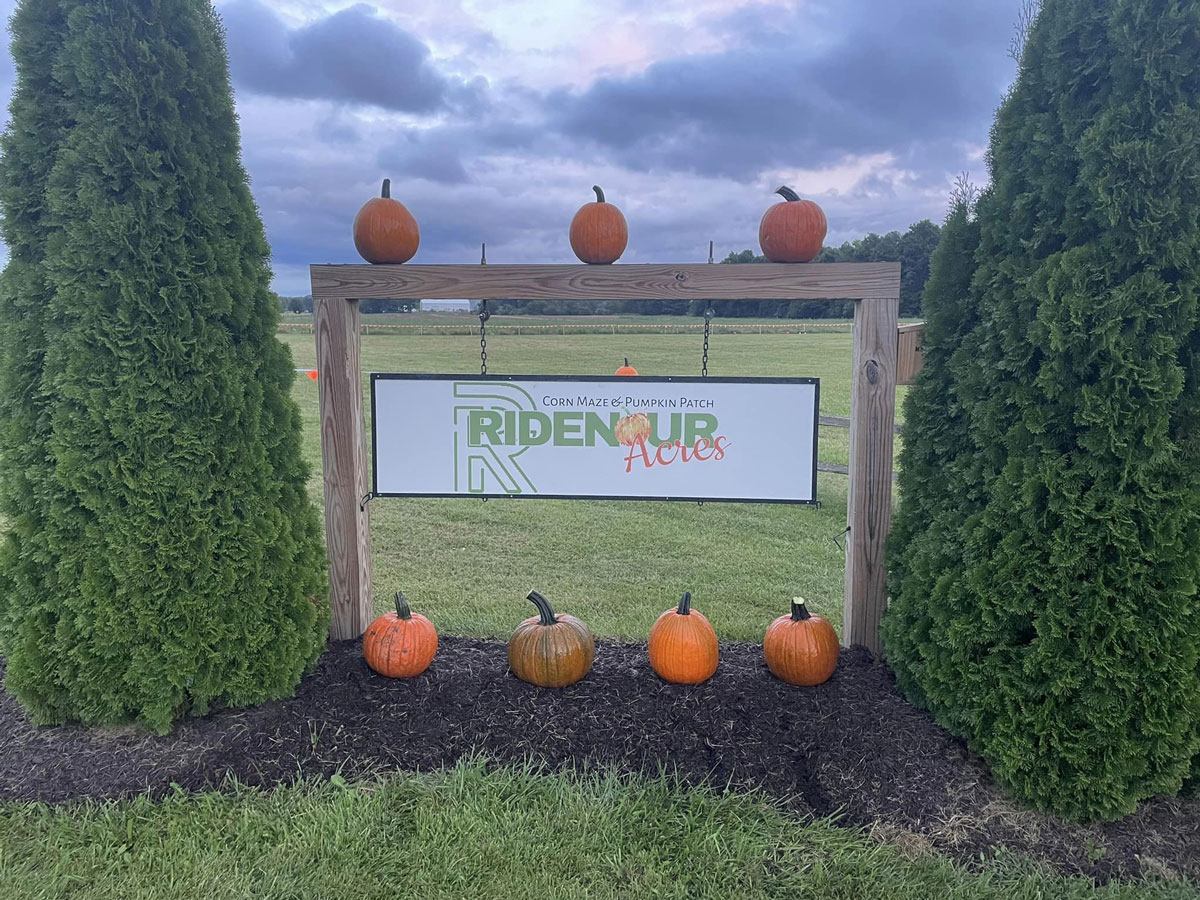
(910, 352)
(875, 288)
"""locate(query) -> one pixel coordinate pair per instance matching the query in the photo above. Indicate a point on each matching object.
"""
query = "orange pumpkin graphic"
(632, 429)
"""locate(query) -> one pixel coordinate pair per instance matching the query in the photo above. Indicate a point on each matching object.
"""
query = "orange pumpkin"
(385, 231)
(598, 231)
(683, 645)
(631, 429)
(792, 231)
(400, 644)
(626, 369)
(550, 650)
(801, 648)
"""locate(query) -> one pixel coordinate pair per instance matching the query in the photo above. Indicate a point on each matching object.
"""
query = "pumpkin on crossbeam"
(598, 231)
(385, 231)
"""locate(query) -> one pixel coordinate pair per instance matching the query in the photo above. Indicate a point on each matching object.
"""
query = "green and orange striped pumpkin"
(550, 650)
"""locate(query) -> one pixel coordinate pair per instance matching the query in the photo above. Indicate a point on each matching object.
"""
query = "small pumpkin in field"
(792, 231)
(598, 231)
(801, 648)
(400, 644)
(385, 231)
(626, 369)
(550, 650)
(683, 645)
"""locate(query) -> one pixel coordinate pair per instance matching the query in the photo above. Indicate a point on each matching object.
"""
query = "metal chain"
(484, 315)
(708, 315)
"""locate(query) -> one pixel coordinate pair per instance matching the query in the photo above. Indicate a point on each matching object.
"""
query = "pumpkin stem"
(386, 194)
(402, 610)
(627, 360)
(788, 194)
(685, 604)
(599, 193)
(543, 607)
(799, 610)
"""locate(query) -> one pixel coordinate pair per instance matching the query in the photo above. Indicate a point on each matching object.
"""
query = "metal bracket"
(835, 539)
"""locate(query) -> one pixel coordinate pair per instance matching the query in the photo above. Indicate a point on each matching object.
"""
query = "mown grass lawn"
(469, 564)
(517, 834)
(469, 833)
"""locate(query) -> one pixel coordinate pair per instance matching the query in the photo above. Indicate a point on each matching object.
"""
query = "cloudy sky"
(494, 118)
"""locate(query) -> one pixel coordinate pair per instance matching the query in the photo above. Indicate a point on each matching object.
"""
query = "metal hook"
(835, 539)
(367, 498)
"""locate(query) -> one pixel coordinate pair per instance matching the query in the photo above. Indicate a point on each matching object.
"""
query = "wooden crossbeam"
(761, 281)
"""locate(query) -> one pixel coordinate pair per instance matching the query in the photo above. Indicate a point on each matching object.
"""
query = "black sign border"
(644, 379)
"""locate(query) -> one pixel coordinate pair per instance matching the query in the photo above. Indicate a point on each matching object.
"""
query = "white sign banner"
(603, 437)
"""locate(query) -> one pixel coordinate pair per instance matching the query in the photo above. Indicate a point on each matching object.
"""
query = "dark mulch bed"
(851, 746)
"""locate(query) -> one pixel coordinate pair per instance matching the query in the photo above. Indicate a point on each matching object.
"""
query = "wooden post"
(869, 510)
(910, 353)
(344, 460)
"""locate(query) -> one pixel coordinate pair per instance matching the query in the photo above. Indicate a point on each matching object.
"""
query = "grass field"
(517, 834)
(469, 833)
(469, 564)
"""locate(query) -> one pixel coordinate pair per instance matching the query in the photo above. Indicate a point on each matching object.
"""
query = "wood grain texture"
(762, 281)
(910, 353)
(344, 465)
(869, 507)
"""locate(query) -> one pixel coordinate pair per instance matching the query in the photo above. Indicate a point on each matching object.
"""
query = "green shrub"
(163, 554)
(922, 549)
(1066, 650)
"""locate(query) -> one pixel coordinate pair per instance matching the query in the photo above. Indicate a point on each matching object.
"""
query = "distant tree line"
(305, 305)
(912, 250)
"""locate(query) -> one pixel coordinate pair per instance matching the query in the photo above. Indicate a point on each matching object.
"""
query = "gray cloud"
(352, 55)
(898, 77)
(688, 147)
(432, 157)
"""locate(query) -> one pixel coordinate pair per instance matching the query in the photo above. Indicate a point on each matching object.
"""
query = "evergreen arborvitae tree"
(1068, 648)
(38, 123)
(163, 554)
(923, 547)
